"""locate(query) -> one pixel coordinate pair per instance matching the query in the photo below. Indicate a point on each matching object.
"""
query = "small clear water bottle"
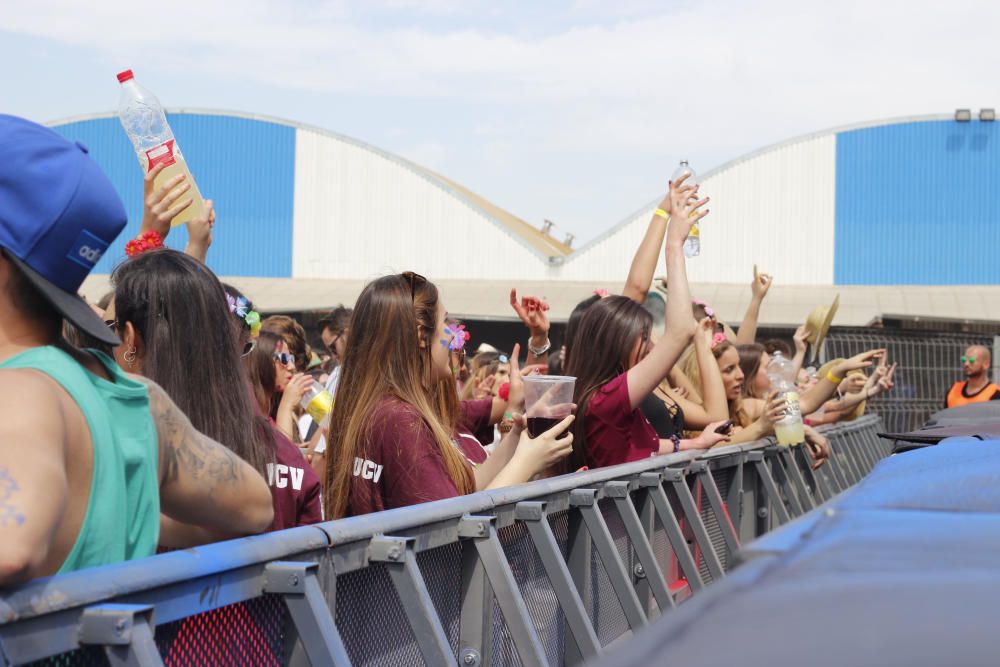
(692, 244)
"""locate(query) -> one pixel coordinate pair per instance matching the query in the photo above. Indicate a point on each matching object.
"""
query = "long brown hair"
(605, 338)
(260, 367)
(751, 354)
(392, 317)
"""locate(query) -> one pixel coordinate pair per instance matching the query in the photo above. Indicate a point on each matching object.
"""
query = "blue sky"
(576, 111)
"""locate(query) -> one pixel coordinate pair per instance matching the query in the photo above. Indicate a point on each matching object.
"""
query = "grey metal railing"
(546, 573)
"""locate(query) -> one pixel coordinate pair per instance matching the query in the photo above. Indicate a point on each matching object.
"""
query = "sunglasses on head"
(968, 360)
(503, 359)
(284, 358)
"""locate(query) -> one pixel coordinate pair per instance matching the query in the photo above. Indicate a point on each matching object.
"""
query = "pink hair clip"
(708, 309)
(601, 292)
(718, 339)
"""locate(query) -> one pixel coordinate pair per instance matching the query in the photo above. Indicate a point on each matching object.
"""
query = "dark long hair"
(605, 338)
(260, 366)
(750, 358)
(393, 315)
(573, 324)
(179, 308)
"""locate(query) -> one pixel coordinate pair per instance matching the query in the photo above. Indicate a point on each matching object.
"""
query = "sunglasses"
(284, 358)
(968, 360)
(111, 324)
(415, 280)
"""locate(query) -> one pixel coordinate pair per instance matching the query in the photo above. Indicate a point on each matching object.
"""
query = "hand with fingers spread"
(533, 311)
(486, 388)
(858, 362)
(684, 211)
(818, 446)
(162, 204)
(761, 284)
(200, 233)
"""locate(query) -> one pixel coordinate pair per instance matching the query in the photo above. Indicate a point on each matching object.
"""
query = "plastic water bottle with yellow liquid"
(318, 402)
(781, 373)
(145, 123)
(692, 244)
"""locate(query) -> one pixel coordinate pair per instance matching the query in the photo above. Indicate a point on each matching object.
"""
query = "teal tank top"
(122, 521)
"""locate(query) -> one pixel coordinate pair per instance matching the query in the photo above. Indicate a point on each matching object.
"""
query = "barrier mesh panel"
(251, 632)
(605, 610)
(535, 587)
(441, 569)
(371, 620)
(90, 656)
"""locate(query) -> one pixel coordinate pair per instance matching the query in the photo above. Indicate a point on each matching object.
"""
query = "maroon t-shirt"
(401, 464)
(617, 433)
(473, 426)
(295, 488)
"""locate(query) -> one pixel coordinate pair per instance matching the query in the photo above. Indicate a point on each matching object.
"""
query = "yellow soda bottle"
(145, 123)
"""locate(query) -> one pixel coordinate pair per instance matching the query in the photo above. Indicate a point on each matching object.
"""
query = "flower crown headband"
(240, 307)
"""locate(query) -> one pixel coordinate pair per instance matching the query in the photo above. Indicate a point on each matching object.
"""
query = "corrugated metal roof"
(785, 305)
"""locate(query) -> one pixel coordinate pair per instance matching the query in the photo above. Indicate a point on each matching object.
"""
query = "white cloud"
(620, 79)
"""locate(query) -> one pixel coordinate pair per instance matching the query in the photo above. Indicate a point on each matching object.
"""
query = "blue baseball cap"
(59, 214)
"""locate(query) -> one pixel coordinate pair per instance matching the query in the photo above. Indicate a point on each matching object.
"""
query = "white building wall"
(775, 209)
(360, 214)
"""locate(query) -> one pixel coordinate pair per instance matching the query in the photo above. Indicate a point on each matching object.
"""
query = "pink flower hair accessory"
(601, 292)
(718, 339)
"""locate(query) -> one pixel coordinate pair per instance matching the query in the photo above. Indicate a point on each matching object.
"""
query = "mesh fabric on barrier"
(371, 620)
(535, 587)
(605, 609)
(89, 656)
(246, 633)
(439, 567)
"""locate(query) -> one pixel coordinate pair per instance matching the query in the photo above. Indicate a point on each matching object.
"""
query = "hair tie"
(718, 339)
(601, 292)
(709, 311)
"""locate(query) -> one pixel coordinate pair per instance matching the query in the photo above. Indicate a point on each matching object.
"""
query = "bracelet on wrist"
(539, 351)
(660, 213)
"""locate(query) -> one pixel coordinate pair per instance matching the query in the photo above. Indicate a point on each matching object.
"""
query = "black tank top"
(664, 414)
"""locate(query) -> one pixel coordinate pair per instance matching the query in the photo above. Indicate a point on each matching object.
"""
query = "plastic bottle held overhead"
(692, 244)
(781, 374)
(146, 125)
(318, 402)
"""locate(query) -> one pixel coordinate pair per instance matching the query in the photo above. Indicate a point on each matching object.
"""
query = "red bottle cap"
(125, 76)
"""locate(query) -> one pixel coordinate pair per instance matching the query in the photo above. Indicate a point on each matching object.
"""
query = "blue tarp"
(903, 569)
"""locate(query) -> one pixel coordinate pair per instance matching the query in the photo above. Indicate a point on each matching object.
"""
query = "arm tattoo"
(184, 448)
(9, 514)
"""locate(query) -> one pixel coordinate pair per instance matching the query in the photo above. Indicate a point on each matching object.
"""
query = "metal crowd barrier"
(546, 573)
(929, 364)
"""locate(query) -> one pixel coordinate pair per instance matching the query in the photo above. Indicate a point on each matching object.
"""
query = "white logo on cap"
(90, 254)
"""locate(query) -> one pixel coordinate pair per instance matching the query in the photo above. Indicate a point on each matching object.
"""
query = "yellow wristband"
(833, 378)
(661, 213)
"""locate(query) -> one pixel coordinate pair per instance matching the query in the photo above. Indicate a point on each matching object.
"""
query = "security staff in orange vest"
(977, 387)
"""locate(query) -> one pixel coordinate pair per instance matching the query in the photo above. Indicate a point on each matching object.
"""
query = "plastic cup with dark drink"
(548, 399)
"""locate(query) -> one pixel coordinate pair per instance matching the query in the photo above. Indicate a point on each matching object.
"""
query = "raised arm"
(811, 401)
(714, 407)
(640, 274)
(760, 286)
(533, 311)
(33, 482)
(646, 375)
(800, 348)
(200, 233)
(202, 482)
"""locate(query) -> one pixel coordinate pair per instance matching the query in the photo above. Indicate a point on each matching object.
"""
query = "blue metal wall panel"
(246, 166)
(918, 204)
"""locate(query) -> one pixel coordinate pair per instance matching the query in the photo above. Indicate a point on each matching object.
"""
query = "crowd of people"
(169, 413)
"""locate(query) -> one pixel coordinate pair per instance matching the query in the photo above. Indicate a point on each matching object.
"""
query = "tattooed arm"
(202, 482)
(33, 482)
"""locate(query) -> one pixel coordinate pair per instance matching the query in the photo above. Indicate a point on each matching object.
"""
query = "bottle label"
(320, 406)
(792, 409)
(164, 154)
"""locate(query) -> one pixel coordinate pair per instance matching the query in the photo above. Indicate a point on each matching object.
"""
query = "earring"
(129, 356)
